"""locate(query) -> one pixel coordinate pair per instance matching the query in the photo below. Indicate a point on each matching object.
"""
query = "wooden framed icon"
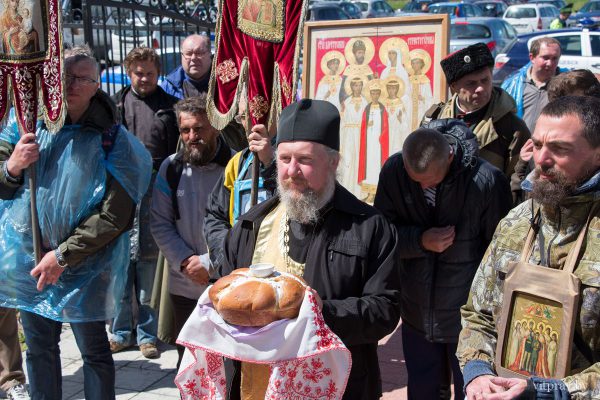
(382, 74)
(536, 326)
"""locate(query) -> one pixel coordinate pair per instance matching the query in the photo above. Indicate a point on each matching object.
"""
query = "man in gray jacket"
(181, 191)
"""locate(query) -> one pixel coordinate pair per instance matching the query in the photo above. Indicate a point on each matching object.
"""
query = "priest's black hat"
(465, 61)
(312, 121)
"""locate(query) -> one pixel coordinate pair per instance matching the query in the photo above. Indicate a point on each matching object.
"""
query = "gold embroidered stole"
(270, 243)
(269, 248)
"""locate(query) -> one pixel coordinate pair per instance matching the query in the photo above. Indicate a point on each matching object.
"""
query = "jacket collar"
(501, 103)
(178, 75)
(100, 115)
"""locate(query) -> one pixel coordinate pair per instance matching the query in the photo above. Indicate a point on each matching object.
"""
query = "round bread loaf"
(243, 299)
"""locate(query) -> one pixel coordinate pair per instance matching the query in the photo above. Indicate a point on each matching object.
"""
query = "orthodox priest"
(316, 229)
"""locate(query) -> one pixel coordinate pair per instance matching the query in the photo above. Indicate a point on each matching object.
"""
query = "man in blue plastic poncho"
(90, 175)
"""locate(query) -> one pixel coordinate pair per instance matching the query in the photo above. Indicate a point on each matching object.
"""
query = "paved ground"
(140, 378)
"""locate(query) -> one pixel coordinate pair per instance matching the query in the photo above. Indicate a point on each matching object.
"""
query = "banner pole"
(35, 223)
(255, 173)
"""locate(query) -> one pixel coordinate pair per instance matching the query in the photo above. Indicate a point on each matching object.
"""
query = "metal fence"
(113, 28)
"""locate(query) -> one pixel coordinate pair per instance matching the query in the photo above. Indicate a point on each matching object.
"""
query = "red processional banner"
(31, 64)
(257, 47)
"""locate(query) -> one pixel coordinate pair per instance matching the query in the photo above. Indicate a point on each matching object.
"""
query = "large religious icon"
(391, 77)
(20, 28)
(262, 19)
(534, 336)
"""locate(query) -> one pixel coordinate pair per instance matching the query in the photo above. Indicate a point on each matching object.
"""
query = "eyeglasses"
(240, 119)
(198, 53)
(82, 80)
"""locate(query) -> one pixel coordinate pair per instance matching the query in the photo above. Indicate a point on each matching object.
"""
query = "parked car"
(590, 10)
(556, 3)
(326, 12)
(496, 33)
(492, 8)
(353, 10)
(580, 49)
(461, 9)
(530, 17)
(414, 7)
(375, 8)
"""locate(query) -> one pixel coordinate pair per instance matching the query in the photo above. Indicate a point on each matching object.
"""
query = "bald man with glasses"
(191, 79)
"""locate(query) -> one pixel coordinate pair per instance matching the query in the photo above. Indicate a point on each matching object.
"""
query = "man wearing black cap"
(316, 229)
(489, 111)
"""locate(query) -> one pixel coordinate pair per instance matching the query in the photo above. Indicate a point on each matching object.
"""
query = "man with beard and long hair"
(314, 228)
(565, 190)
(178, 209)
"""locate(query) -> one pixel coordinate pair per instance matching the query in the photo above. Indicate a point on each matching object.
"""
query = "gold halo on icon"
(351, 78)
(369, 50)
(393, 79)
(394, 43)
(423, 55)
(330, 55)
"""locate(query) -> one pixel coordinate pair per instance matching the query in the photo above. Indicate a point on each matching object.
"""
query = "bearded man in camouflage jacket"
(564, 186)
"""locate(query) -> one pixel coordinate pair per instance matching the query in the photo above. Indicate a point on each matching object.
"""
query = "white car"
(531, 17)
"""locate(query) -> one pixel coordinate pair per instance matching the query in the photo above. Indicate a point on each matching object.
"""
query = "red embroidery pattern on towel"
(303, 379)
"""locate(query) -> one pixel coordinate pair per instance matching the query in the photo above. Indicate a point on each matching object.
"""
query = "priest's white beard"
(303, 207)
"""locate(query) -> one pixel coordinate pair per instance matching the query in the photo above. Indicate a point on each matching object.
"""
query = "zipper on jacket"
(435, 261)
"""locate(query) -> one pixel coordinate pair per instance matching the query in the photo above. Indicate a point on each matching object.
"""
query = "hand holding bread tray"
(257, 296)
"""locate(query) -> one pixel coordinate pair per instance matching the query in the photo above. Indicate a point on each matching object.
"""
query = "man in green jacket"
(489, 111)
(564, 186)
